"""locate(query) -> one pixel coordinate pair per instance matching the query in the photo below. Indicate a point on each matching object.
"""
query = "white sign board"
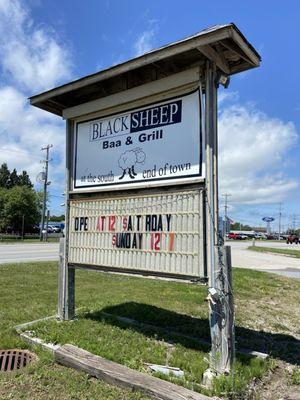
(140, 147)
(161, 233)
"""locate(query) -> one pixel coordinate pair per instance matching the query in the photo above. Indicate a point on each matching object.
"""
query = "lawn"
(267, 320)
(13, 239)
(287, 252)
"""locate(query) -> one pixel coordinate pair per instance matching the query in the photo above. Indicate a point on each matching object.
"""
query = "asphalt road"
(241, 257)
(26, 252)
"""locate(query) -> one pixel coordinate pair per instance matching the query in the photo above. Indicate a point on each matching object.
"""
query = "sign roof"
(225, 45)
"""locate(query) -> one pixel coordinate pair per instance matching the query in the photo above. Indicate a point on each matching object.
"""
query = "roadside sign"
(135, 179)
(159, 142)
(268, 219)
(159, 233)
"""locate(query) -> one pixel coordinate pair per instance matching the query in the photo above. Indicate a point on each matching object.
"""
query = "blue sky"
(46, 43)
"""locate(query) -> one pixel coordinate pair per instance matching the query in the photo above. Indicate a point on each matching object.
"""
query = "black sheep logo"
(129, 159)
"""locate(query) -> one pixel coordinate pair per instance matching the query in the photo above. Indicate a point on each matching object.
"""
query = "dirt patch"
(276, 385)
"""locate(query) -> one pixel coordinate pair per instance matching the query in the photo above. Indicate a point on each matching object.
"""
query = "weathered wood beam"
(236, 50)
(221, 54)
(56, 103)
(214, 56)
(160, 68)
(116, 374)
(237, 68)
(53, 107)
(244, 48)
(135, 93)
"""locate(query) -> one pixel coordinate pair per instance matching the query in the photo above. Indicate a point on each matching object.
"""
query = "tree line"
(20, 204)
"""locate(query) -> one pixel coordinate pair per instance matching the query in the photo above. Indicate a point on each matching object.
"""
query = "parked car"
(292, 239)
(236, 236)
(33, 229)
(282, 237)
(250, 235)
(259, 235)
(271, 237)
(56, 229)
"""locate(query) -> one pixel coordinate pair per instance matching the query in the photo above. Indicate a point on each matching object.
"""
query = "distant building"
(260, 229)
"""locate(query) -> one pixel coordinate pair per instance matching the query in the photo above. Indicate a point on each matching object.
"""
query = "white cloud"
(253, 148)
(24, 130)
(12, 10)
(30, 56)
(225, 95)
(31, 60)
(144, 42)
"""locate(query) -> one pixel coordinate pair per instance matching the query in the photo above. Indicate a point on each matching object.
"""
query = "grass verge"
(267, 319)
(296, 377)
(12, 240)
(287, 252)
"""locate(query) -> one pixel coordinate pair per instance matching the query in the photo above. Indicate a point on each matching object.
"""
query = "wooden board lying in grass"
(119, 375)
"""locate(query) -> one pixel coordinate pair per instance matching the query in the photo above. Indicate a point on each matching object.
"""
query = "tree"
(58, 218)
(20, 202)
(238, 226)
(24, 179)
(4, 176)
(2, 202)
(11, 179)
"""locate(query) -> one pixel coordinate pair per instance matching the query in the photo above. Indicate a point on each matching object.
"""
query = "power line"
(294, 222)
(279, 220)
(226, 195)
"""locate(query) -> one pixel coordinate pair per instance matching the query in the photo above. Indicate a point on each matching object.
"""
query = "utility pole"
(46, 183)
(279, 220)
(23, 226)
(47, 220)
(226, 195)
(294, 222)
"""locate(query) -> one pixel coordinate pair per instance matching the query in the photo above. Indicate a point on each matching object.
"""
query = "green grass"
(10, 240)
(28, 292)
(296, 377)
(288, 252)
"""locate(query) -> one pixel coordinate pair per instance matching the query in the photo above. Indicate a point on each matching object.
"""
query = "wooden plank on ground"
(116, 374)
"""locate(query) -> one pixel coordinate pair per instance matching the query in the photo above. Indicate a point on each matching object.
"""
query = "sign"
(159, 233)
(268, 219)
(160, 142)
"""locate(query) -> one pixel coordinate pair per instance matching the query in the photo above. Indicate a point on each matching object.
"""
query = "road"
(26, 252)
(241, 257)
(276, 263)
